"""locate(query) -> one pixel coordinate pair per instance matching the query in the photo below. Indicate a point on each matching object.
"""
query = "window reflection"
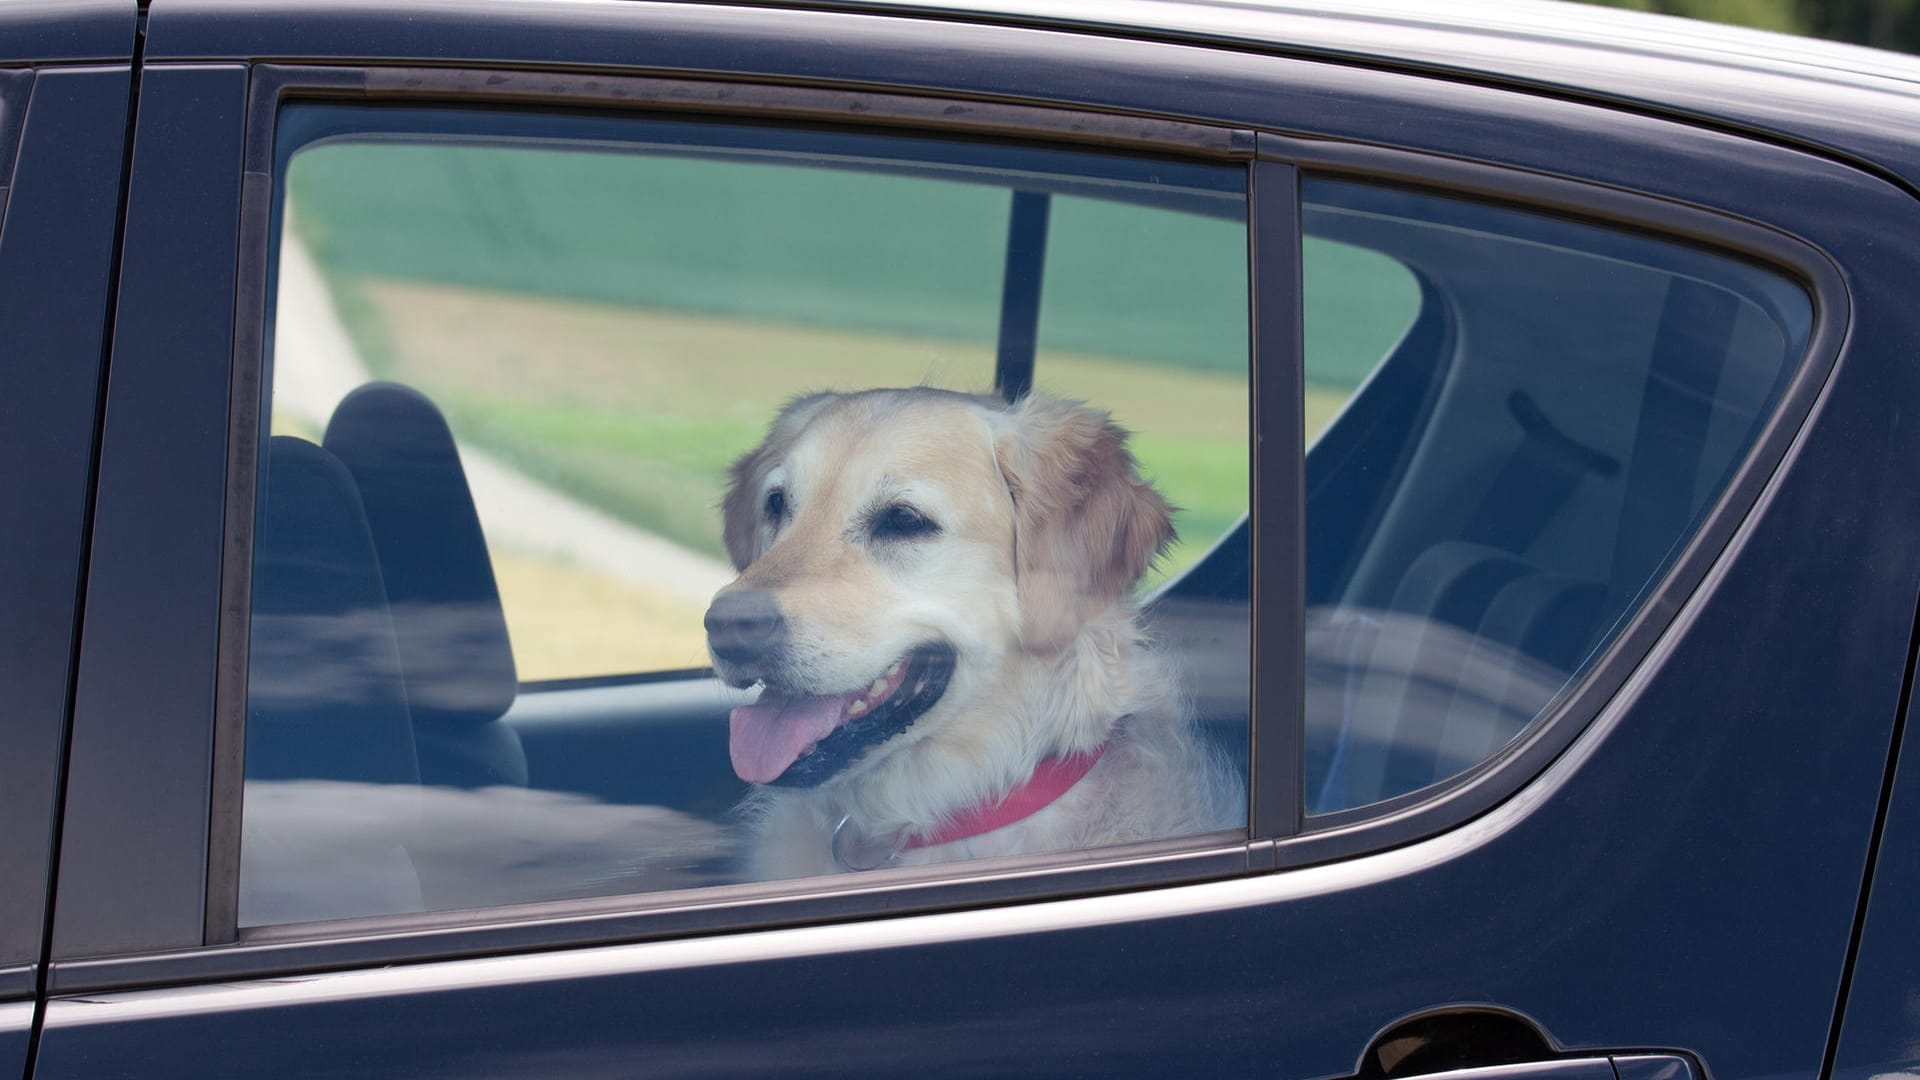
(514, 358)
(1517, 468)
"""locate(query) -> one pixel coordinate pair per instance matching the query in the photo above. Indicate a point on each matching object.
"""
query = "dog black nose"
(744, 625)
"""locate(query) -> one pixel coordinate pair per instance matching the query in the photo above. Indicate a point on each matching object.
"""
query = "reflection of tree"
(1782, 15)
(321, 849)
(1885, 24)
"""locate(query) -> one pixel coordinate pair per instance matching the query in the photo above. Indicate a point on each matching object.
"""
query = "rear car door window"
(1553, 409)
(520, 367)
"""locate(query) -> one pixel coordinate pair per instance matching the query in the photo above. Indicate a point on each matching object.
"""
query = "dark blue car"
(1537, 387)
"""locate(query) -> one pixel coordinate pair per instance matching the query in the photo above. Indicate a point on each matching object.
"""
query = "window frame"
(1451, 802)
(26, 774)
(731, 906)
(353, 943)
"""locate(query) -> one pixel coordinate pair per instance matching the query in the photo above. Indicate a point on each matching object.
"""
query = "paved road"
(316, 364)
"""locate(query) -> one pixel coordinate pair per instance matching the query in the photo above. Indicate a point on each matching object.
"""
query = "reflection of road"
(316, 364)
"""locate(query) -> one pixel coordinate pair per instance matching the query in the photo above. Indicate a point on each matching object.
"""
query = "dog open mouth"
(802, 741)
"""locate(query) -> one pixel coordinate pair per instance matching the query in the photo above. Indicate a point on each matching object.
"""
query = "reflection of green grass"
(623, 326)
(659, 471)
(658, 460)
(1206, 479)
(771, 240)
(663, 471)
(1209, 480)
(1357, 303)
(657, 457)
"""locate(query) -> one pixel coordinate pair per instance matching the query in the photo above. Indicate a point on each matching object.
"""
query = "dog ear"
(1086, 525)
(740, 509)
(740, 517)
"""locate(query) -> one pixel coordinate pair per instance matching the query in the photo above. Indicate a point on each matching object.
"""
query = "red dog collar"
(1050, 781)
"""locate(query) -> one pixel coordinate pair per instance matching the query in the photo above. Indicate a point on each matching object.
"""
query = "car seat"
(325, 708)
(455, 656)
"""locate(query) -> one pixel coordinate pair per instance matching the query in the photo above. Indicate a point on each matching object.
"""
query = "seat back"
(455, 656)
(328, 730)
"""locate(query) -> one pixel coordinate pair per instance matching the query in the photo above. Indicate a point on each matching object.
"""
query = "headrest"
(324, 695)
(454, 651)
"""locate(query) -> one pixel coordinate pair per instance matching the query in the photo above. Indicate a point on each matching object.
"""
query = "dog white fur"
(1028, 527)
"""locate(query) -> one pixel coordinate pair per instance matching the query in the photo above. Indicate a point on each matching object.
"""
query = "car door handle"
(1615, 1067)
(1655, 1067)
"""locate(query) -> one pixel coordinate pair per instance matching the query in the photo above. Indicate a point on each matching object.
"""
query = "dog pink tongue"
(769, 735)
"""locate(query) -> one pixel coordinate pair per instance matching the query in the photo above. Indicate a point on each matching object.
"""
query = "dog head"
(897, 548)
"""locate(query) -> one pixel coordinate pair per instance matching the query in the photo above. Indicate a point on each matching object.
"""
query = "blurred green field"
(623, 326)
(605, 420)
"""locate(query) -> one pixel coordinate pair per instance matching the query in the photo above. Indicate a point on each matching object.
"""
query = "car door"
(1875, 1036)
(1565, 504)
(64, 81)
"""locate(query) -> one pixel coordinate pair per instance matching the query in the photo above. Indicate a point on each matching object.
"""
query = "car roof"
(1848, 100)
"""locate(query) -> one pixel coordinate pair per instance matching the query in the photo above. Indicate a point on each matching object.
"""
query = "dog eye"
(901, 522)
(776, 504)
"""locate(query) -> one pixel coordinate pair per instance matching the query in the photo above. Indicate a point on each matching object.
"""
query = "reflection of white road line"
(316, 364)
(521, 513)
(314, 361)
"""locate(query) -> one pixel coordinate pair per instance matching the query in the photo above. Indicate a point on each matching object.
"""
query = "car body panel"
(1790, 87)
(67, 31)
(16, 1037)
(1241, 977)
(1509, 129)
(1652, 899)
(1880, 1033)
(56, 255)
(1853, 101)
(1721, 807)
(156, 533)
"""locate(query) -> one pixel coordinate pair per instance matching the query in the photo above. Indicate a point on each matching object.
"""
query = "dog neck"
(1050, 781)
(852, 850)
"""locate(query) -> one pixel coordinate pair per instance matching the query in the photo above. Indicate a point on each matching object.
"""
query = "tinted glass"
(1511, 467)
(563, 407)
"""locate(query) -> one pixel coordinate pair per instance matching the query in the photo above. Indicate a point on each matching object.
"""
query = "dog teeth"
(879, 687)
(895, 669)
(859, 706)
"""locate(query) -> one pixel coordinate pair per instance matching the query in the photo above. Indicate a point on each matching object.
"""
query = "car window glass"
(1161, 343)
(542, 386)
(1556, 407)
(1357, 305)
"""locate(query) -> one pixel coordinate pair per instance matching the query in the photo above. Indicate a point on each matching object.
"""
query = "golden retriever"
(936, 592)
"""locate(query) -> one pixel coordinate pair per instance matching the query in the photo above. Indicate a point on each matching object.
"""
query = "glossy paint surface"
(156, 522)
(56, 252)
(1619, 901)
(66, 31)
(16, 1030)
(1853, 99)
(1856, 101)
(1880, 1033)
